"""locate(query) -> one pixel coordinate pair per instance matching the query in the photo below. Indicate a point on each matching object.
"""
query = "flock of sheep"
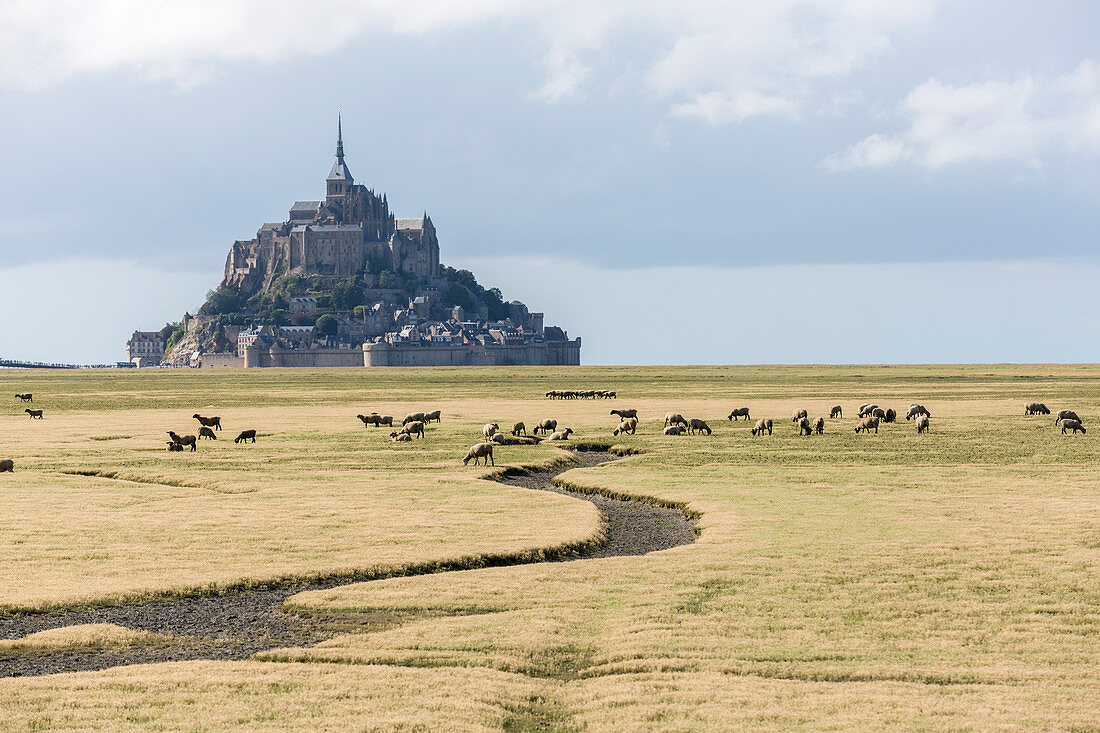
(207, 426)
(1068, 419)
(581, 394)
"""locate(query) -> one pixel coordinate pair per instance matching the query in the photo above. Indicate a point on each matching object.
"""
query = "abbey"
(336, 237)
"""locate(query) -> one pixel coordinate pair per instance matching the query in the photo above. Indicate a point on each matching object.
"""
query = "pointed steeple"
(339, 135)
(339, 170)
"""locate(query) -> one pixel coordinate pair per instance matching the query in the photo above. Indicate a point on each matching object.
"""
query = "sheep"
(205, 432)
(674, 430)
(922, 424)
(372, 419)
(865, 410)
(413, 417)
(866, 424)
(386, 420)
(436, 415)
(675, 418)
(245, 436)
(804, 427)
(819, 426)
(879, 413)
(35, 414)
(764, 423)
(798, 415)
(183, 440)
(739, 412)
(891, 415)
(414, 428)
(209, 422)
(1062, 415)
(481, 450)
(519, 428)
(489, 429)
(561, 434)
(624, 414)
(835, 412)
(400, 437)
(629, 425)
(547, 426)
(174, 447)
(26, 397)
(1073, 425)
(498, 438)
(7, 466)
(916, 410)
(1036, 408)
(696, 425)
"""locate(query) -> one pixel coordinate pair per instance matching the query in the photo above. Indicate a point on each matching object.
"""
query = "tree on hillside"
(326, 325)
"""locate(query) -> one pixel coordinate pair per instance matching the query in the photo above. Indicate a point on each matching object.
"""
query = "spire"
(339, 170)
(339, 135)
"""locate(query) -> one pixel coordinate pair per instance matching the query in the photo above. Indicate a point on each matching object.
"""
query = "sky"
(798, 181)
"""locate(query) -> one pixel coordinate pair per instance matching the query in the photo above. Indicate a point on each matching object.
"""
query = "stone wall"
(560, 353)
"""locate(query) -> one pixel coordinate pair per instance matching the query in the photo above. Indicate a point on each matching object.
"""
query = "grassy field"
(941, 581)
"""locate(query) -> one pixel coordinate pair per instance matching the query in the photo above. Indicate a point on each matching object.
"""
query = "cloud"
(718, 61)
(985, 122)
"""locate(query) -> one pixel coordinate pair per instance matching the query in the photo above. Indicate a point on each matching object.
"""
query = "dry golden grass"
(890, 581)
(81, 636)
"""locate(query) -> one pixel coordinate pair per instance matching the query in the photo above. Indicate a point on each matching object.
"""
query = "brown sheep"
(436, 415)
(675, 418)
(205, 432)
(7, 466)
(867, 424)
(26, 397)
(1036, 408)
(183, 440)
(372, 419)
(916, 410)
(923, 424)
(519, 428)
(413, 417)
(879, 413)
(1073, 425)
(479, 451)
(674, 430)
(798, 415)
(804, 427)
(764, 423)
(209, 422)
(739, 412)
(835, 412)
(246, 436)
(400, 437)
(624, 414)
(174, 447)
(561, 434)
(865, 409)
(696, 425)
(629, 425)
(489, 429)
(413, 428)
(891, 415)
(1062, 415)
(547, 426)
(35, 414)
(819, 426)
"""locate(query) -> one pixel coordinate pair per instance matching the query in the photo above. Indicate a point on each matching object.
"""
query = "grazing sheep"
(624, 414)
(835, 412)
(372, 419)
(245, 436)
(7, 466)
(798, 415)
(26, 397)
(629, 425)
(819, 426)
(479, 451)
(414, 428)
(867, 424)
(561, 434)
(386, 420)
(174, 447)
(890, 416)
(489, 429)
(183, 440)
(764, 423)
(675, 418)
(519, 428)
(413, 417)
(804, 427)
(205, 432)
(498, 438)
(1036, 408)
(436, 415)
(674, 430)
(696, 425)
(1062, 415)
(1073, 425)
(739, 412)
(923, 424)
(879, 413)
(916, 410)
(865, 410)
(209, 422)
(400, 437)
(546, 426)
(35, 414)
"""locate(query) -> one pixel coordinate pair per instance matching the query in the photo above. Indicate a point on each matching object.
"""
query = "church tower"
(339, 178)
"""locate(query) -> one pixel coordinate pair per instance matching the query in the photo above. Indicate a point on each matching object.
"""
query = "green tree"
(223, 299)
(326, 325)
